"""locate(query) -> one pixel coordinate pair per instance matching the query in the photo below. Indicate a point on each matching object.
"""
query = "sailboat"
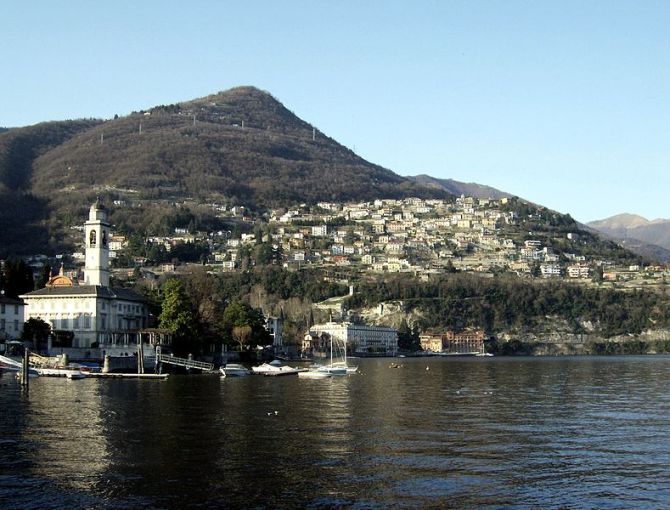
(335, 367)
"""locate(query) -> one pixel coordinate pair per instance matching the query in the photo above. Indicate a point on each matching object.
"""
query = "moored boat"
(314, 374)
(74, 375)
(234, 370)
(275, 368)
(333, 370)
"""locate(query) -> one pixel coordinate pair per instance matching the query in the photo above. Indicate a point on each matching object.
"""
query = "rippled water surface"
(438, 433)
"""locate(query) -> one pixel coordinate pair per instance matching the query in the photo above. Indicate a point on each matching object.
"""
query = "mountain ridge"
(631, 228)
(242, 143)
(458, 188)
(240, 146)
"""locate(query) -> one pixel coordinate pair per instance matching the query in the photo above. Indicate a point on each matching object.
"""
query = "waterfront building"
(90, 314)
(465, 342)
(360, 339)
(430, 342)
(11, 318)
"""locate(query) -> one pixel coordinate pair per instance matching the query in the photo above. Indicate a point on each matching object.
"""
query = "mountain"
(620, 223)
(241, 143)
(22, 213)
(630, 228)
(241, 146)
(469, 189)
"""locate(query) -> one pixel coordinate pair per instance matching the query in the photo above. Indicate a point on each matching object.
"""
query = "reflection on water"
(64, 421)
(461, 433)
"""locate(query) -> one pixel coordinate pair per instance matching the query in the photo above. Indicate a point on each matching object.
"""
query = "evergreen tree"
(17, 278)
(44, 277)
(177, 316)
(408, 338)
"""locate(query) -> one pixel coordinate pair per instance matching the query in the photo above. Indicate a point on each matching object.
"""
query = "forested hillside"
(22, 212)
(241, 145)
(506, 303)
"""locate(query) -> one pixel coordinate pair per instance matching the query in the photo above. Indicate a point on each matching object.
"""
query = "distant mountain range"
(638, 233)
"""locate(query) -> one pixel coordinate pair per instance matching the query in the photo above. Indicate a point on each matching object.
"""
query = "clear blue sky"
(563, 103)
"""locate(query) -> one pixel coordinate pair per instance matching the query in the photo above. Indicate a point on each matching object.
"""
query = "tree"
(239, 315)
(263, 254)
(535, 270)
(44, 277)
(36, 331)
(408, 338)
(17, 278)
(177, 316)
(242, 335)
(598, 274)
(204, 294)
(349, 236)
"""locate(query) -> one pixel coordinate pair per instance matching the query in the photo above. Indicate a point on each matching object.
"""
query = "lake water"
(435, 433)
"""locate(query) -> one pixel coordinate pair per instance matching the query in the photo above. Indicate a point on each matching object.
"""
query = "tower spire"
(96, 270)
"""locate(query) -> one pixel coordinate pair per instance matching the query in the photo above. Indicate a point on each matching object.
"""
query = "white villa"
(359, 338)
(89, 314)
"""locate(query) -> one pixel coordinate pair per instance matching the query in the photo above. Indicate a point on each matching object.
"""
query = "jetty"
(113, 375)
(183, 362)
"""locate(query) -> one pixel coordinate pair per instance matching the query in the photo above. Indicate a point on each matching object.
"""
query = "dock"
(184, 362)
(112, 375)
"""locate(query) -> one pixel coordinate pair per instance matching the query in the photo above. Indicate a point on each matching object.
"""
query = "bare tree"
(242, 335)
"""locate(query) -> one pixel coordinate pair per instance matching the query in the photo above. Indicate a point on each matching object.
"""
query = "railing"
(184, 362)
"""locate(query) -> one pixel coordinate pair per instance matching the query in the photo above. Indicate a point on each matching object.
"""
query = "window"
(16, 309)
(91, 238)
(75, 323)
(65, 323)
(103, 322)
(16, 325)
(87, 322)
(2, 324)
(2, 308)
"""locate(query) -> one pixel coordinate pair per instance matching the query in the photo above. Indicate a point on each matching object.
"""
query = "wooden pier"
(111, 375)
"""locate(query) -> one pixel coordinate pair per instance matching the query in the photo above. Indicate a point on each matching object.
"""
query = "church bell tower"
(96, 270)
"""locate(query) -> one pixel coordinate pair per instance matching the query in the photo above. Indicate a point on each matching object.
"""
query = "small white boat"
(234, 370)
(31, 374)
(275, 368)
(314, 374)
(74, 375)
(333, 370)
